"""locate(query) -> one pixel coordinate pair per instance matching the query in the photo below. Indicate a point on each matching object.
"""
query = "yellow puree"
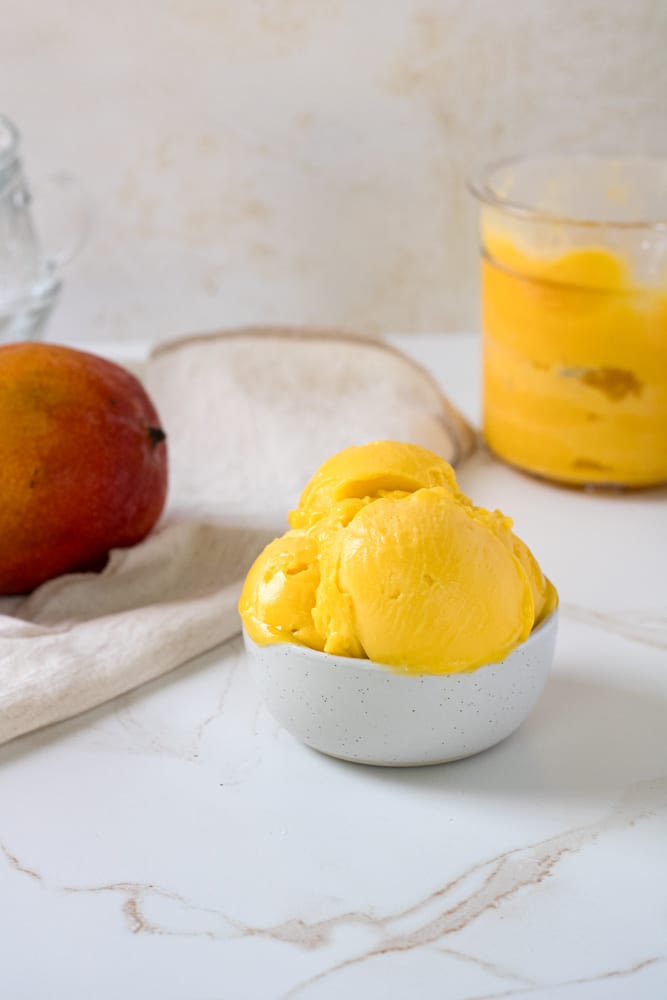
(575, 366)
(387, 559)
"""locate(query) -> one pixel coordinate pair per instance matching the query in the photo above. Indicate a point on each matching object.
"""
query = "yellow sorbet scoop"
(387, 559)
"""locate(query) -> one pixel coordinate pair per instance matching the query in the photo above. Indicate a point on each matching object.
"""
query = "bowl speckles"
(365, 712)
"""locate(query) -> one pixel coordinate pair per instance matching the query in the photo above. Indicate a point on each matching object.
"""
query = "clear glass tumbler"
(30, 271)
(574, 316)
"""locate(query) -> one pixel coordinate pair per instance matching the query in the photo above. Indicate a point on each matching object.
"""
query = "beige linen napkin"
(249, 416)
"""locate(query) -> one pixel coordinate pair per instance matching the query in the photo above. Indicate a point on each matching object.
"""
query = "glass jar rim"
(480, 187)
(9, 140)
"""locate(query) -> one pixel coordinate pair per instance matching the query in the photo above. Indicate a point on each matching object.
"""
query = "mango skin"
(83, 463)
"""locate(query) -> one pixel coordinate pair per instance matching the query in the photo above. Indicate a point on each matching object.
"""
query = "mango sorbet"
(387, 559)
(575, 365)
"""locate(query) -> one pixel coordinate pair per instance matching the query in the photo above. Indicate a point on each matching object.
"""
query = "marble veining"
(154, 910)
(537, 990)
(648, 627)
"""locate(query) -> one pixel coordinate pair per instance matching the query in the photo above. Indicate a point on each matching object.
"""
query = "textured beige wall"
(305, 161)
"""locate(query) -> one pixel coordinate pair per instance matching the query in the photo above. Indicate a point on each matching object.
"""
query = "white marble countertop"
(177, 844)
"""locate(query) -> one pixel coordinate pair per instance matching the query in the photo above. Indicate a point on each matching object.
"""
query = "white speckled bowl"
(365, 712)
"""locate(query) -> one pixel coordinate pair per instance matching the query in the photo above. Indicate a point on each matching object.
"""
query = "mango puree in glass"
(574, 365)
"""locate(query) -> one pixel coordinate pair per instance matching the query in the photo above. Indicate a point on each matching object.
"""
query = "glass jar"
(574, 316)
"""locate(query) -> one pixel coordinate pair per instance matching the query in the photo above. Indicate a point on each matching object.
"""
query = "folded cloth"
(249, 415)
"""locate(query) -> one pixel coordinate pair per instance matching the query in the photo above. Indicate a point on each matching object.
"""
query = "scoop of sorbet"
(387, 559)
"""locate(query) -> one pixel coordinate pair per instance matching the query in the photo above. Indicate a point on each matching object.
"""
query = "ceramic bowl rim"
(372, 666)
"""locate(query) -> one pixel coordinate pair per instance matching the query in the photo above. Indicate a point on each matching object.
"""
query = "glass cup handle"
(61, 210)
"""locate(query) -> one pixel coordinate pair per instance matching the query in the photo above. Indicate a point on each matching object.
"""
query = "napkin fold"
(249, 415)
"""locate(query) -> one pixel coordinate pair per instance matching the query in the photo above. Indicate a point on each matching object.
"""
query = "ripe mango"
(83, 463)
